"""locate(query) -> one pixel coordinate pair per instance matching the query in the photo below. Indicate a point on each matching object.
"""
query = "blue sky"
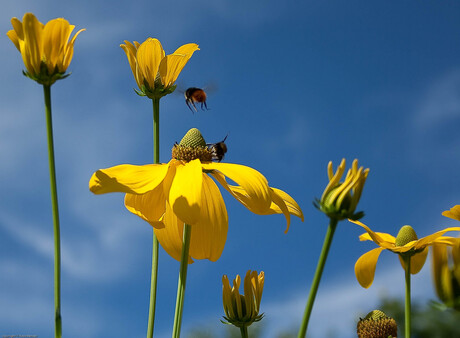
(297, 84)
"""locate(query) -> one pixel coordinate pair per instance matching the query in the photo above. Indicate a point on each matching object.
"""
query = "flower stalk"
(55, 210)
(155, 245)
(317, 278)
(182, 281)
(244, 332)
(407, 311)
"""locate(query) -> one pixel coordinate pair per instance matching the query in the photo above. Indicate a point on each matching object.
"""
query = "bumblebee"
(218, 149)
(195, 95)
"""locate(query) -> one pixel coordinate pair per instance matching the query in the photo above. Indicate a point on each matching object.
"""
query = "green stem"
(244, 332)
(54, 202)
(317, 277)
(182, 280)
(153, 279)
(407, 324)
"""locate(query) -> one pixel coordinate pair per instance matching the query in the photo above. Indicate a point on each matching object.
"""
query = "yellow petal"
(30, 50)
(14, 38)
(386, 241)
(385, 237)
(291, 204)
(149, 206)
(453, 213)
(417, 261)
(18, 28)
(365, 267)
(185, 192)
(421, 243)
(210, 233)
(171, 66)
(131, 51)
(171, 235)
(253, 191)
(69, 52)
(128, 178)
(149, 55)
(55, 36)
(187, 49)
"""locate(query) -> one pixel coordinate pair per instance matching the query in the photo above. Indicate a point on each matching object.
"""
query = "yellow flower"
(154, 72)
(339, 199)
(182, 191)
(406, 243)
(45, 49)
(243, 310)
(447, 276)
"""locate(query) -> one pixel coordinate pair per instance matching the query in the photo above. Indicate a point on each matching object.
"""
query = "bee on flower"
(184, 191)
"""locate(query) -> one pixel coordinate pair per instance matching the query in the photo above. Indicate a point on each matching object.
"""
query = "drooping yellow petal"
(293, 207)
(384, 242)
(210, 233)
(149, 55)
(417, 261)
(185, 192)
(255, 194)
(453, 213)
(421, 243)
(171, 235)
(150, 206)
(128, 178)
(365, 267)
(386, 237)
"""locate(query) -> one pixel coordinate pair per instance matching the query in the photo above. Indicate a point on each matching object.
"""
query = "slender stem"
(54, 202)
(407, 324)
(244, 332)
(317, 277)
(182, 280)
(153, 278)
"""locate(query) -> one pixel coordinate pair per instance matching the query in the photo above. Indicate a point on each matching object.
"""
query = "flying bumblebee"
(195, 95)
(218, 149)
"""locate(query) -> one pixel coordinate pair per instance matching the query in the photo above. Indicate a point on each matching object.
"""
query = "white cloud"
(440, 103)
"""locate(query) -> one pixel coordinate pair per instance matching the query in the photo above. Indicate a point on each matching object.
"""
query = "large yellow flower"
(155, 72)
(45, 49)
(406, 243)
(167, 195)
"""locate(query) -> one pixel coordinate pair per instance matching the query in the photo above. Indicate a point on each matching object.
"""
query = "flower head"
(377, 325)
(155, 72)
(243, 310)
(405, 244)
(184, 191)
(339, 199)
(45, 49)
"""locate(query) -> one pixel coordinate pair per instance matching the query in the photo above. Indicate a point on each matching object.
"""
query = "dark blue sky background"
(296, 84)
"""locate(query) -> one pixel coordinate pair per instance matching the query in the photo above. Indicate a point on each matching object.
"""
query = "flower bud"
(243, 310)
(340, 199)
